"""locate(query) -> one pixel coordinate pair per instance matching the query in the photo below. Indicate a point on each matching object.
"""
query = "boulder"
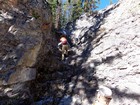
(26, 42)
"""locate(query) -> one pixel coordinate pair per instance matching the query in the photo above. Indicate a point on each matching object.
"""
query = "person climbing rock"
(63, 46)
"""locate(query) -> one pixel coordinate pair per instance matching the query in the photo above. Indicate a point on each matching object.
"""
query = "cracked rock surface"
(112, 49)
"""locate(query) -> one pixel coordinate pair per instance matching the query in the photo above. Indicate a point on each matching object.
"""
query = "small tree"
(77, 11)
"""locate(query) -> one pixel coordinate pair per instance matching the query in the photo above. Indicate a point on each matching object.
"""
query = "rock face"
(109, 43)
(25, 44)
(106, 53)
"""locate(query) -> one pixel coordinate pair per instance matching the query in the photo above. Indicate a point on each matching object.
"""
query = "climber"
(63, 46)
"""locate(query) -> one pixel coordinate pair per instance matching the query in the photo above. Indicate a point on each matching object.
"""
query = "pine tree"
(70, 10)
(58, 14)
(56, 11)
(90, 5)
(77, 9)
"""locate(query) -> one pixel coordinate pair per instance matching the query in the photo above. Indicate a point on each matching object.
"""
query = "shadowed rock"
(25, 41)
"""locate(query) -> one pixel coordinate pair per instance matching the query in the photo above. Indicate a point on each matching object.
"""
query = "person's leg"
(63, 56)
(64, 51)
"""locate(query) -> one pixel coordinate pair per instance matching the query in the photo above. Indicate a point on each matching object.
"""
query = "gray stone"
(26, 43)
(114, 52)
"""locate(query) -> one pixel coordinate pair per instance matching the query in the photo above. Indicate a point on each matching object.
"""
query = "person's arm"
(59, 46)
